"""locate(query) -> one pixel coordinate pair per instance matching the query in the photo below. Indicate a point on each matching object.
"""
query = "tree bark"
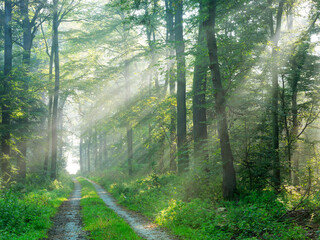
(130, 151)
(229, 176)
(172, 82)
(183, 155)
(6, 111)
(129, 127)
(56, 91)
(26, 58)
(88, 152)
(49, 130)
(275, 36)
(81, 157)
(199, 99)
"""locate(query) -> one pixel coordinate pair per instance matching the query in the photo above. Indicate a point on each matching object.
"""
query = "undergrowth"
(99, 220)
(26, 209)
(172, 201)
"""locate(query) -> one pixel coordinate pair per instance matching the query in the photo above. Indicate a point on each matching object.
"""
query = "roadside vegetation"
(193, 211)
(101, 221)
(26, 209)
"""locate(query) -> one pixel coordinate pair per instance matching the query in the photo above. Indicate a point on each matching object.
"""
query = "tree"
(58, 15)
(275, 37)
(199, 95)
(128, 127)
(29, 27)
(6, 113)
(183, 155)
(55, 43)
(172, 83)
(229, 175)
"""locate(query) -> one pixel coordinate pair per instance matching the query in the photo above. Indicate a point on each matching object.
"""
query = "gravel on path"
(67, 223)
(139, 224)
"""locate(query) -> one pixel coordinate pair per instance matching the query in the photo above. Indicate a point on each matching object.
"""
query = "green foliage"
(101, 221)
(26, 214)
(254, 217)
(257, 215)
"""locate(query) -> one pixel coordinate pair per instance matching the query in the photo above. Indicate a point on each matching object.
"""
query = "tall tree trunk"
(49, 129)
(199, 99)
(56, 92)
(6, 111)
(229, 176)
(275, 36)
(105, 151)
(129, 127)
(183, 155)
(130, 151)
(48, 142)
(95, 146)
(26, 58)
(298, 60)
(172, 83)
(295, 127)
(88, 152)
(81, 157)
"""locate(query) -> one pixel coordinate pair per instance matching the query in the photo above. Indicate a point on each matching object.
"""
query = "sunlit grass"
(28, 216)
(101, 221)
(171, 203)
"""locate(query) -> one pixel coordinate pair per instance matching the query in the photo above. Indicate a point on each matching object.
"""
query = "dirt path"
(67, 223)
(139, 224)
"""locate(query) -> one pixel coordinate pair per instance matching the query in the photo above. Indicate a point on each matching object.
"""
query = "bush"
(26, 215)
(171, 202)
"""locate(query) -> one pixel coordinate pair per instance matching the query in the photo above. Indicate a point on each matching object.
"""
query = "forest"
(160, 119)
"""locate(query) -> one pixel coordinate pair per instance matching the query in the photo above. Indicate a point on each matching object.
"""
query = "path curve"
(67, 223)
(140, 225)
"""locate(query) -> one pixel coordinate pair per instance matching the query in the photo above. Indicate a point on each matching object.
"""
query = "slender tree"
(55, 40)
(172, 82)
(229, 175)
(129, 127)
(183, 155)
(6, 111)
(275, 37)
(199, 95)
(29, 27)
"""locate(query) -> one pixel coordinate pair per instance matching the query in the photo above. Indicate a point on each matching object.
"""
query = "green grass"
(26, 210)
(99, 220)
(192, 210)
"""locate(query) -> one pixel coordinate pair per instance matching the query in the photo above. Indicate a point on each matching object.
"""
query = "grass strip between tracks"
(99, 220)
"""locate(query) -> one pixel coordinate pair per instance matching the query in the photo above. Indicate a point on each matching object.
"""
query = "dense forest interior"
(202, 115)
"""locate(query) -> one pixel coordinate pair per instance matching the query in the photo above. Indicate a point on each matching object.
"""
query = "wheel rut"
(139, 224)
(67, 223)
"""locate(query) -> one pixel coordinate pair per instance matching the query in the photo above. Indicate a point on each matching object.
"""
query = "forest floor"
(67, 224)
(140, 224)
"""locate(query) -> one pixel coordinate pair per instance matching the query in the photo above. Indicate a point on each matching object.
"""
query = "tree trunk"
(199, 99)
(6, 111)
(183, 155)
(26, 57)
(105, 151)
(172, 83)
(95, 146)
(295, 128)
(49, 130)
(275, 36)
(229, 176)
(88, 152)
(48, 143)
(56, 92)
(129, 127)
(81, 158)
(130, 151)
